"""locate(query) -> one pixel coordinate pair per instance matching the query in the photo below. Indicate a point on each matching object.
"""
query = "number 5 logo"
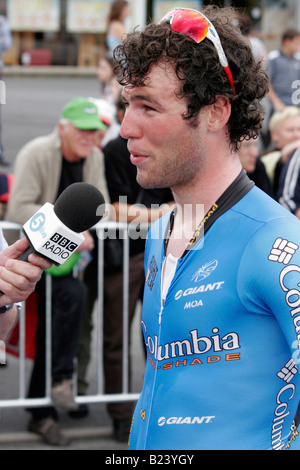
(37, 222)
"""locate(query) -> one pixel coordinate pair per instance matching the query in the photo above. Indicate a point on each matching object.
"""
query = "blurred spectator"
(260, 54)
(5, 43)
(109, 87)
(257, 45)
(108, 114)
(288, 193)
(284, 129)
(249, 156)
(121, 181)
(284, 70)
(6, 181)
(109, 96)
(116, 30)
(43, 169)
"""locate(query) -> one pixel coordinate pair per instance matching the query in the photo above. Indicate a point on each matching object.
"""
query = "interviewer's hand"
(88, 243)
(18, 278)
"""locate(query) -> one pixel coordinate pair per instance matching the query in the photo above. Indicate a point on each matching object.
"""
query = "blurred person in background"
(257, 45)
(5, 44)
(288, 193)
(284, 69)
(284, 129)
(109, 87)
(252, 164)
(116, 30)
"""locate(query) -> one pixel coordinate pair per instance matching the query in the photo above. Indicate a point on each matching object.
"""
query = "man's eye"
(148, 108)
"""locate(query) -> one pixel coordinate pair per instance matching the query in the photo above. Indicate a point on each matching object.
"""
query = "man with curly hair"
(221, 307)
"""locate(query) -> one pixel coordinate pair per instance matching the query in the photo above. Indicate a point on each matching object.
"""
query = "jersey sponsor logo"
(201, 274)
(194, 345)
(284, 396)
(197, 290)
(193, 304)
(152, 273)
(290, 286)
(282, 251)
(288, 372)
(162, 421)
(205, 271)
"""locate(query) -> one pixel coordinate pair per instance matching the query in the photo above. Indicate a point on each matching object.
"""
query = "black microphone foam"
(77, 206)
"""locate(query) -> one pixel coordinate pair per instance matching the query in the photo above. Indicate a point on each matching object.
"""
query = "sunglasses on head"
(194, 24)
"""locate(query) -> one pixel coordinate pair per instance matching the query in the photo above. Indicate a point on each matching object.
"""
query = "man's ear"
(60, 128)
(220, 112)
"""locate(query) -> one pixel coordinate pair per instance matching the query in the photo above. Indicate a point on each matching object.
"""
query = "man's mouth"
(137, 159)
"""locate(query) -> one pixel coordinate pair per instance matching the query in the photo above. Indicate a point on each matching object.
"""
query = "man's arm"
(275, 100)
(17, 280)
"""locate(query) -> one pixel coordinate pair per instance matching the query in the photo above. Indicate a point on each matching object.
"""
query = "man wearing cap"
(44, 167)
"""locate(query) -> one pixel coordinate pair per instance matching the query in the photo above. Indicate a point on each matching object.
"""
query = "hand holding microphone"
(53, 235)
(54, 232)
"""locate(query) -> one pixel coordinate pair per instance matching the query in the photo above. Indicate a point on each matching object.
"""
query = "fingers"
(15, 250)
(18, 279)
(36, 260)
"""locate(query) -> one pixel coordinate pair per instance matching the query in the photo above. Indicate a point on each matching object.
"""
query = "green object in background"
(66, 267)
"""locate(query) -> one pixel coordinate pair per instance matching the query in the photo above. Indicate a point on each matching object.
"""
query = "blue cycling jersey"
(223, 350)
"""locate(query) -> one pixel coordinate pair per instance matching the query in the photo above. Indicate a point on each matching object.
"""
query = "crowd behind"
(86, 145)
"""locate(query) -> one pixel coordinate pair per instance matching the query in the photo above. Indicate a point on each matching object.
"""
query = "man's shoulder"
(275, 54)
(261, 209)
(41, 143)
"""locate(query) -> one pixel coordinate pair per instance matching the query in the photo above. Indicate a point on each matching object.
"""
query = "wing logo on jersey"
(205, 271)
(151, 274)
(282, 251)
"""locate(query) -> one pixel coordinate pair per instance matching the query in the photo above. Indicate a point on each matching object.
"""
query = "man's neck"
(195, 202)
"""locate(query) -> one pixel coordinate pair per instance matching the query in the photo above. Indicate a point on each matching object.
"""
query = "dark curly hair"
(198, 68)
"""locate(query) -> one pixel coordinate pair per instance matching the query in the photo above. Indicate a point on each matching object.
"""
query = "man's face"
(293, 45)
(76, 143)
(248, 154)
(164, 147)
(286, 132)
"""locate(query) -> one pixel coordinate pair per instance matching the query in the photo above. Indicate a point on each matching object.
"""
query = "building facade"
(72, 32)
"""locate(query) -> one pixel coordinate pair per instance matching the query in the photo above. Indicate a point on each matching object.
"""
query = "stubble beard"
(175, 173)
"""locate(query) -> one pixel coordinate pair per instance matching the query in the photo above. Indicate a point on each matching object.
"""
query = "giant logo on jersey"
(202, 273)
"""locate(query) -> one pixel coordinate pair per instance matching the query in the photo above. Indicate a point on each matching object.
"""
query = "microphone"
(53, 231)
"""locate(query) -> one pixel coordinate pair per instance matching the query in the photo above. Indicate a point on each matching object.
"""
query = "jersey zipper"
(161, 311)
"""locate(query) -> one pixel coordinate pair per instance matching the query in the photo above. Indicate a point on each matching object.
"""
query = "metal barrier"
(103, 229)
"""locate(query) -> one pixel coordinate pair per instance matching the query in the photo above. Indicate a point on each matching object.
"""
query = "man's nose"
(130, 127)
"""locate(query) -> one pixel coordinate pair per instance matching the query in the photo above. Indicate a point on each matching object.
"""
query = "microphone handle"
(26, 253)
